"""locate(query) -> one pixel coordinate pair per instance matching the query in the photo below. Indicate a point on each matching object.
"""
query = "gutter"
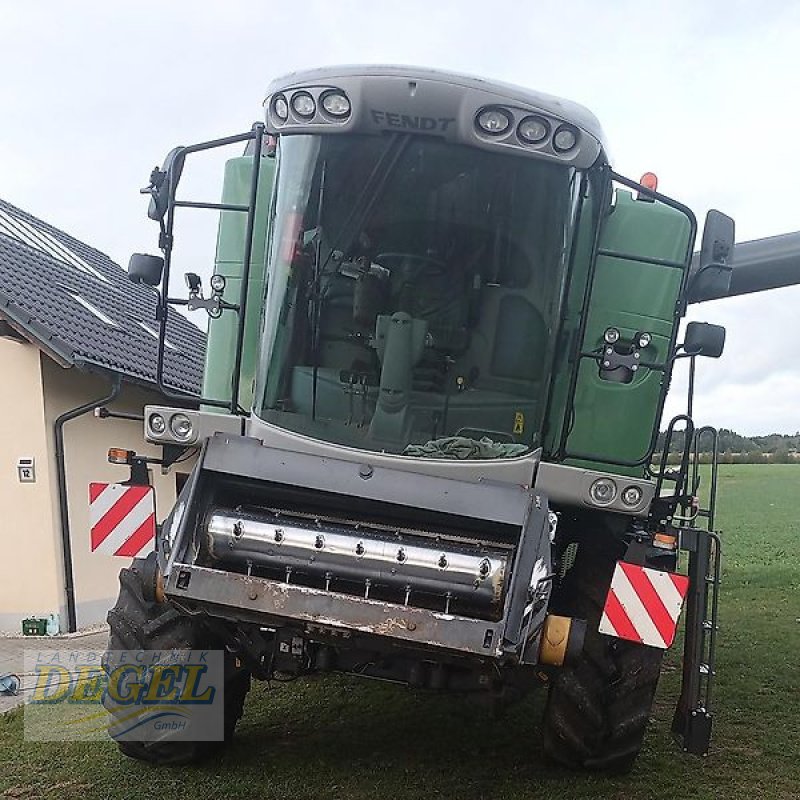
(63, 503)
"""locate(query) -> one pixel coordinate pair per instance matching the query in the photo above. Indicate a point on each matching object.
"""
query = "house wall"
(86, 443)
(30, 567)
(34, 392)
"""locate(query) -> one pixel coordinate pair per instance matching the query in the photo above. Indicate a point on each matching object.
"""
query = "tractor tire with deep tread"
(139, 624)
(597, 711)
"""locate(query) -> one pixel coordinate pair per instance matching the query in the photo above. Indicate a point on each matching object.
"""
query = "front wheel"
(597, 711)
(139, 624)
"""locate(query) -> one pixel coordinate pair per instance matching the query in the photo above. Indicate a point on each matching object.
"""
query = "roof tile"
(35, 291)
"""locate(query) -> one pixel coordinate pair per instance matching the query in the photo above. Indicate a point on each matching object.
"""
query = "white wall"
(86, 443)
(30, 566)
(34, 391)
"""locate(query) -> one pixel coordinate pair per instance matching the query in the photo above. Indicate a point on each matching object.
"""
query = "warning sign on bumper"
(643, 605)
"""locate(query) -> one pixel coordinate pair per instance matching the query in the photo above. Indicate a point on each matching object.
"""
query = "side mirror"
(711, 274)
(160, 180)
(147, 269)
(704, 339)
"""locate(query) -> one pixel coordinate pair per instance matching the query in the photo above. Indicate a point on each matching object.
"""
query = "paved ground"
(12, 654)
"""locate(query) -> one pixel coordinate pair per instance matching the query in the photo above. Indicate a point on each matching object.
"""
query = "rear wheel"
(139, 624)
(597, 711)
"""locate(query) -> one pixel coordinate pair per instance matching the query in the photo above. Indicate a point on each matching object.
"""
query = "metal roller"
(402, 561)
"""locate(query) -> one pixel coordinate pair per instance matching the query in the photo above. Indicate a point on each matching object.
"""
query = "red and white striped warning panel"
(643, 605)
(122, 518)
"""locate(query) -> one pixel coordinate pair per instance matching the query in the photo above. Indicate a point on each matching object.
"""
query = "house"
(74, 332)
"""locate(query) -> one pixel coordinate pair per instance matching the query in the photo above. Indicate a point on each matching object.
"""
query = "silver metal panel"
(370, 480)
(246, 595)
(516, 471)
(570, 486)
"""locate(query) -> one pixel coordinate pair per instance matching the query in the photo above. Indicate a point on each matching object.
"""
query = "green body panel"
(615, 421)
(571, 321)
(221, 347)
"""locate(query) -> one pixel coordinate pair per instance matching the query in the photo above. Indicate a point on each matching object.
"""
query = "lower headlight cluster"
(175, 427)
(604, 491)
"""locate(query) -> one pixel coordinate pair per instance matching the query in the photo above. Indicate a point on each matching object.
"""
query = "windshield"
(414, 288)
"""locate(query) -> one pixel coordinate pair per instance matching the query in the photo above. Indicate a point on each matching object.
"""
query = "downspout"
(61, 469)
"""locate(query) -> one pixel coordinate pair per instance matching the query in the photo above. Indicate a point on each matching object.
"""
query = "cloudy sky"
(705, 94)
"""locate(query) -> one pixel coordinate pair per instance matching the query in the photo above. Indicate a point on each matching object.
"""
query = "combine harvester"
(442, 333)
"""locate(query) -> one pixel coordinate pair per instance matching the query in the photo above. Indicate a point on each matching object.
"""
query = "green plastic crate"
(34, 626)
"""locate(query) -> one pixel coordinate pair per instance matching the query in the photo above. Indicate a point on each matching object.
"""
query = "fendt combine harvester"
(442, 333)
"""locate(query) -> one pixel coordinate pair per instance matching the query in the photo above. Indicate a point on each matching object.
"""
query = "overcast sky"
(705, 94)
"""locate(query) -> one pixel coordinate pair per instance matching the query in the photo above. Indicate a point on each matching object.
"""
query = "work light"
(336, 104)
(280, 107)
(494, 121)
(533, 130)
(566, 137)
(303, 104)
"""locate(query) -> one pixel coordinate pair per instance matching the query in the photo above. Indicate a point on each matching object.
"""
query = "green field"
(344, 738)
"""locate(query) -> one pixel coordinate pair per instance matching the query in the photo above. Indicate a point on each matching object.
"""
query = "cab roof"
(567, 110)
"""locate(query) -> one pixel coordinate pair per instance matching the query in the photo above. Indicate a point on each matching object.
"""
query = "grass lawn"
(345, 738)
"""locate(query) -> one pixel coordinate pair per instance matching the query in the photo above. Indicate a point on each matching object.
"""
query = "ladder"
(694, 524)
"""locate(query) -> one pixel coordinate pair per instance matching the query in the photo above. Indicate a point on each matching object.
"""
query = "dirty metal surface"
(278, 601)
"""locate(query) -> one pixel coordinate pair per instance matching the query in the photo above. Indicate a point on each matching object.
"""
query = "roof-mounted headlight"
(280, 108)
(533, 130)
(565, 138)
(303, 104)
(494, 121)
(335, 103)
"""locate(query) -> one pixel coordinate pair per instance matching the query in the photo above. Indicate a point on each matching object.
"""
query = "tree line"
(733, 448)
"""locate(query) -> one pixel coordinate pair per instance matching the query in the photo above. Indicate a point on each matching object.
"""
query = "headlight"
(494, 121)
(336, 104)
(611, 335)
(566, 137)
(157, 424)
(603, 491)
(303, 104)
(533, 130)
(632, 496)
(280, 107)
(181, 427)
(217, 282)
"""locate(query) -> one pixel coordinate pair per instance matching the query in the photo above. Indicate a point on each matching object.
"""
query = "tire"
(597, 711)
(139, 624)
